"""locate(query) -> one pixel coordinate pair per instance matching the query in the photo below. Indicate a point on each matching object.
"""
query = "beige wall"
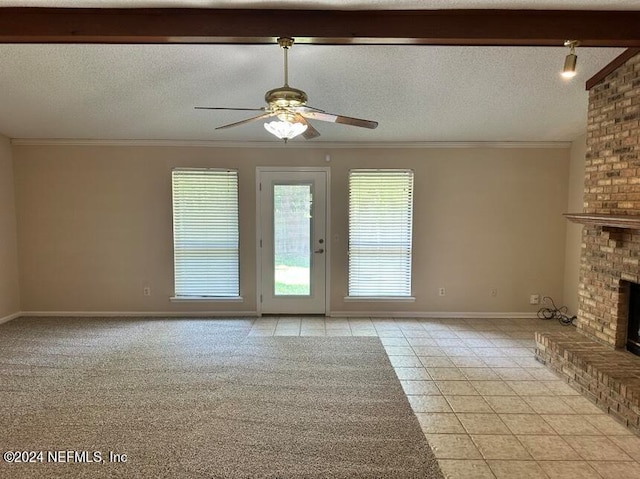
(9, 291)
(575, 204)
(95, 224)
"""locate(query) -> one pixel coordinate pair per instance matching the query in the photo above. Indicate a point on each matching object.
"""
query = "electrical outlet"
(494, 292)
(441, 291)
(534, 299)
(146, 291)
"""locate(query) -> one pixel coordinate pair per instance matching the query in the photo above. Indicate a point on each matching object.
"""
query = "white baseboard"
(253, 314)
(10, 317)
(151, 314)
(434, 314)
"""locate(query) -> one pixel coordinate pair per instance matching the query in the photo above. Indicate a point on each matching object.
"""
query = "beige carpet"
(198, 398)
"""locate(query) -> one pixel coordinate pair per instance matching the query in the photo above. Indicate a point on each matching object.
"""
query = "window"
(205, 233)
(380, 227)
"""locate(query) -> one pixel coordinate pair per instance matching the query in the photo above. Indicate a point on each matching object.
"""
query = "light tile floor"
(486, 406)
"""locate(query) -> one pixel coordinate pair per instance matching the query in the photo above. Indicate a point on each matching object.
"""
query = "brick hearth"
(609, 378)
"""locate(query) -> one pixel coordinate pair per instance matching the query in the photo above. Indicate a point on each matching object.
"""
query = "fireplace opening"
(633, 329)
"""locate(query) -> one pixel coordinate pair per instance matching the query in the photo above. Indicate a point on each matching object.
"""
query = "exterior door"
(292, 243)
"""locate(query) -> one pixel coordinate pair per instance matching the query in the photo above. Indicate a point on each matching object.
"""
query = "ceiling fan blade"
(248, 120)
(345, 120)
(310, 132)
(224, 108)
(305, 108)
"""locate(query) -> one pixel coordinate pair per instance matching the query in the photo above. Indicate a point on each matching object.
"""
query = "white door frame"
(327, 247)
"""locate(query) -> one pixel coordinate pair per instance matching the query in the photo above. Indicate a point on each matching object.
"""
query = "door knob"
(321, 250)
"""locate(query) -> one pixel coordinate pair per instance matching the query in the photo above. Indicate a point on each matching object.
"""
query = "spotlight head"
(569, 69)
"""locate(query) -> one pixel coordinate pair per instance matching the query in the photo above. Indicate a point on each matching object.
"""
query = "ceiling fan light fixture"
(285, 130)
(569, 69)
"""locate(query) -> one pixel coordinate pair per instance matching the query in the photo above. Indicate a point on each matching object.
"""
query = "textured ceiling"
(416, 93)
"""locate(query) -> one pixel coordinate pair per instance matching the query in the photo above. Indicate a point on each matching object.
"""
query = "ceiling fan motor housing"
(285, 97)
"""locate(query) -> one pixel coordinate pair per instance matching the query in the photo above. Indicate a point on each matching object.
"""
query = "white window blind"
(380, 230)
(205, 233)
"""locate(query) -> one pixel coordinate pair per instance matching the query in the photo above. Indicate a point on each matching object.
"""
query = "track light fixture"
(569, 69)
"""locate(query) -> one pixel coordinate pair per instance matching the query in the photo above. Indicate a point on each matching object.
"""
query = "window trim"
(206, 299)
(379, 299)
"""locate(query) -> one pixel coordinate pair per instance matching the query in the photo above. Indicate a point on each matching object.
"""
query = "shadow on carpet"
(199, 399)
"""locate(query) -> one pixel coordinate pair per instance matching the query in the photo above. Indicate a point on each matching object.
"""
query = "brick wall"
(611, 257)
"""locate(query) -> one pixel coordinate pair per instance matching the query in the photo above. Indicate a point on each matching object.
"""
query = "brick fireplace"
(611, 255)
(594, 358)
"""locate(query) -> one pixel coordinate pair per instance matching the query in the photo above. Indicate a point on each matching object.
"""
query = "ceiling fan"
(289, 106)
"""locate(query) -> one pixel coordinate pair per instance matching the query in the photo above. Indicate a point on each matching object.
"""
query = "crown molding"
(296, 145)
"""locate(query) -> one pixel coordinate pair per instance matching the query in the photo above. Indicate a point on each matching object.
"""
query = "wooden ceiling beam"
(377, 27)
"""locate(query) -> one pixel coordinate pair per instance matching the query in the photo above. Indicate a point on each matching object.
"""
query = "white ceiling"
(416, 93)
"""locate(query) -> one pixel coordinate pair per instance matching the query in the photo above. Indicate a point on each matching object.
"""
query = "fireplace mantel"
(631, 222)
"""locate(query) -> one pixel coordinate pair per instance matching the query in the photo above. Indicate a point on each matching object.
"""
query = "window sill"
(388, 299)
(206, 299)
